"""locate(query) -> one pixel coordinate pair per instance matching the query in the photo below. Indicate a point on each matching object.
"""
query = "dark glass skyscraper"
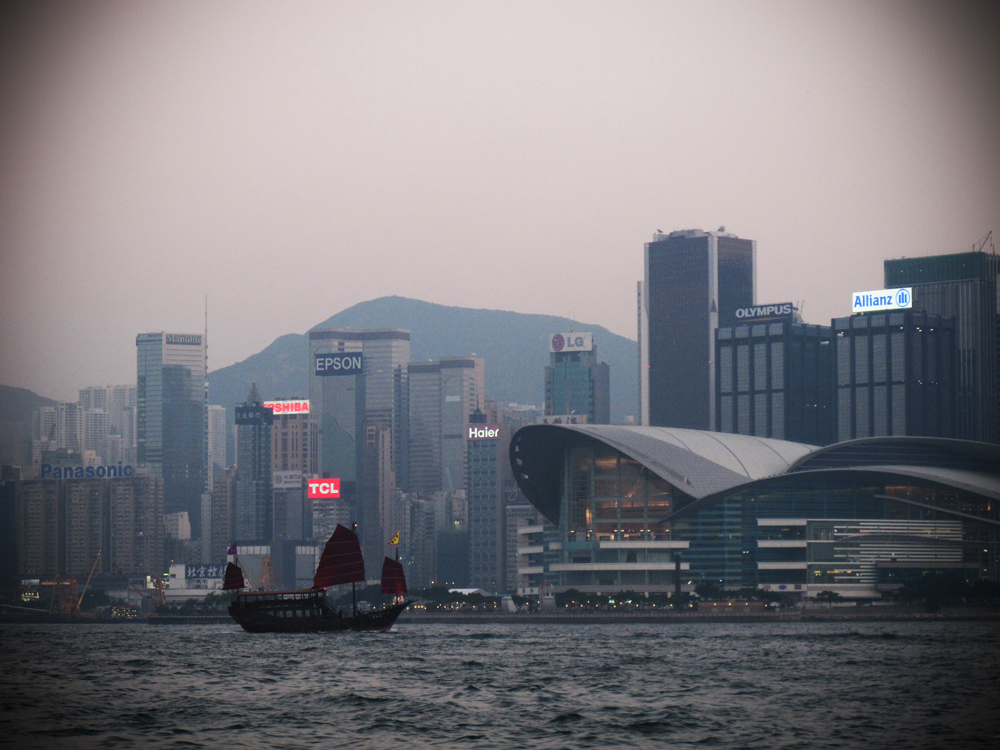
(170, 417)
(254, 506)
(575, 382)
(894, 375)
(694, 282)
(774, 379)
(964, 286)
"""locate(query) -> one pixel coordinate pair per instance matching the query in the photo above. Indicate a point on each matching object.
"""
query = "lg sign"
(324, 489)
(571, 342)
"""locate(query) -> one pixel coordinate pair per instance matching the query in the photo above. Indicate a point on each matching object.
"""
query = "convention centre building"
(631, 508)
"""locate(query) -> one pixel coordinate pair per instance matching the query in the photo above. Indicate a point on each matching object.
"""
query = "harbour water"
(771, 685)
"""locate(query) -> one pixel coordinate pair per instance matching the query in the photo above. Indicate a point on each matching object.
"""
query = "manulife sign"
(882, 299)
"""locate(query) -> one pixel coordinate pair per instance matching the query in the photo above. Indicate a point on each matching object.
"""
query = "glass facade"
(694, 282)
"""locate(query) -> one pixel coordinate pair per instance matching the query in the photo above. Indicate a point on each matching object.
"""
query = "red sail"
(393, 580)
(341, 561)
(234, 578)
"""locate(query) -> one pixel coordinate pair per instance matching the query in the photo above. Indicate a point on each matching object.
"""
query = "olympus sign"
(882, 299)
(766, 312)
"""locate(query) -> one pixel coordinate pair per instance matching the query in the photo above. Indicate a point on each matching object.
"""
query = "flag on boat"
(232, 549)
(395, 538)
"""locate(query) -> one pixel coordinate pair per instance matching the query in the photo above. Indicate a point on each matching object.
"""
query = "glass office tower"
(170, 417)
(694, 283)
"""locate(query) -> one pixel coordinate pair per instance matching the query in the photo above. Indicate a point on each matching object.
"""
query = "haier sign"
(338, 363)
(882, 299)
(483, 432)
(572, 342)
(324, 489)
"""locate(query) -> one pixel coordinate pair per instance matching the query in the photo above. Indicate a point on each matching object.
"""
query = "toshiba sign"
(324, 489)
(293, 406)
(483, 432)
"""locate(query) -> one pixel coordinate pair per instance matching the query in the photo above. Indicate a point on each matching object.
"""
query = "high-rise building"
(216, 442)
(774, 378)
(575, 382)
(894, 375)
(487, 555)
(170, 416)
(254, 509)
(442, 394)
(694, 282)
(356, 377)
(378, 489)
(963, 286)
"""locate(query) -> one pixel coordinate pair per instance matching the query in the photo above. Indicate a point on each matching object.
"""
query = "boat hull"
(305, 612)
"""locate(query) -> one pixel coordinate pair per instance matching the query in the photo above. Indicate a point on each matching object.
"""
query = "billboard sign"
(324, 489)
(253, 415)
(338, 363)
(188, 339)
(563, 419)
(86, 472)
(285, 480)
(483, 432)
(293, 406)
(204, 571)
(780, 311)
(882, 299)
(571, 342)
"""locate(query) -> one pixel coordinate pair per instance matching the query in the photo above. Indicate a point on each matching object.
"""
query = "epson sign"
(483, 432)
(766, 312)
(340, 363)
(882, 299)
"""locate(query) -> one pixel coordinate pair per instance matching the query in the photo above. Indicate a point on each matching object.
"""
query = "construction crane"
(92, 569)
(149, 602)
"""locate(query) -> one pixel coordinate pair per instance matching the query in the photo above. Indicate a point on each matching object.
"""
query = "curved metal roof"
(945, 453)
(697, 462)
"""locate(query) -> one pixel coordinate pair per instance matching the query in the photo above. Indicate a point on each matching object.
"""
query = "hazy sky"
(292, 159)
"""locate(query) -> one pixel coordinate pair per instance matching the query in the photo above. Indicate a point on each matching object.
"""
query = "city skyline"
(492, 158)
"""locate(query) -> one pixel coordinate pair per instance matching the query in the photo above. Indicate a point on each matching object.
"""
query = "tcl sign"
(324, 489)
(483, 432)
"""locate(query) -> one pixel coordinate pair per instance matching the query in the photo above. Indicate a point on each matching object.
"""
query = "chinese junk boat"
(306, 610)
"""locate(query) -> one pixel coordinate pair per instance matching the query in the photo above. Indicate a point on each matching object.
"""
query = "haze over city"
(292, 160)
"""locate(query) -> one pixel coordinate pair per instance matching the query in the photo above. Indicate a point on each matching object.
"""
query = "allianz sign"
(882, 299)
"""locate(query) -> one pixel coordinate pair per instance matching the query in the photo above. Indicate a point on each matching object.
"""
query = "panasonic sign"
(338, 363)
(882, 299)
(86, 472)
(783, 310)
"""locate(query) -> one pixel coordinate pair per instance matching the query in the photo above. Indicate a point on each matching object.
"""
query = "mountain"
(16, 408)
(515, 347)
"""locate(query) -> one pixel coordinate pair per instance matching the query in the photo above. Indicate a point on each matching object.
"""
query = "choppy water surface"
(817, 685)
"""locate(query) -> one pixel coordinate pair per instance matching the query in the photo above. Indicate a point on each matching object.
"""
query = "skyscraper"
(694, 282)
(254, 521)
(357, 377)
(170, 416)
(442, 395)
(895, 375)
(963, 286)
(575, 382)
(487, 554)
